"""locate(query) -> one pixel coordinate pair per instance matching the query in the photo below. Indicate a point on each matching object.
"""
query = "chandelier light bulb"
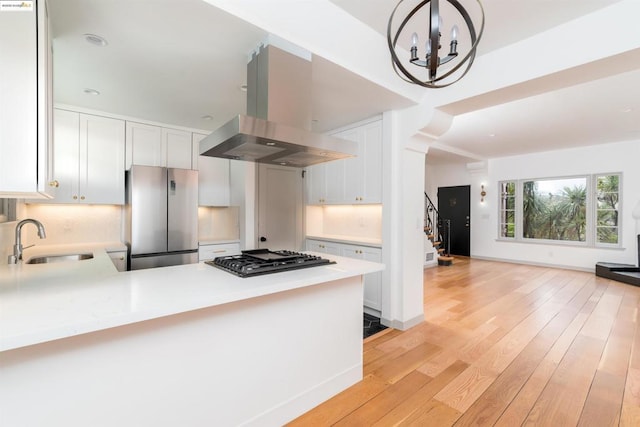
(414, 39)
(454, 32)
(427, 46)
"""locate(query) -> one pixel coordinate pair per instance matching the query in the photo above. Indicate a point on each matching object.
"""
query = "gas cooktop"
(263, 261)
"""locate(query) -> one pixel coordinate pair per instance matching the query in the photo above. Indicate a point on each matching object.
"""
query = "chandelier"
(431, 60)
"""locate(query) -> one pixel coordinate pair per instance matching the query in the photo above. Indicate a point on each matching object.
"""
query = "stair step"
(445, 260)
(436, 243)
(430, 236)
(440, 250)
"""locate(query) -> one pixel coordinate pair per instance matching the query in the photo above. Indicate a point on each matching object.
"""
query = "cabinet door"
(101, 160)
(373, 281)
(372, 164)
(315, 184)
(334, 181)
(352, 182)
(213, 179)
(144, 145)
(66, 153)
(25, 118)
(363, 173)
(372, 293)
(178, 148)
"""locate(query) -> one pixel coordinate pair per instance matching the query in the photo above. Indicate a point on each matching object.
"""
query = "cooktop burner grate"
(263, 261)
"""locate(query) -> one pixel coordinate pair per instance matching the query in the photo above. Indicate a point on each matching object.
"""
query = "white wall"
(617, 157)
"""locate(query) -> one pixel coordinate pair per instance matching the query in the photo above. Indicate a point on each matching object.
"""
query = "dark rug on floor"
(371, 326)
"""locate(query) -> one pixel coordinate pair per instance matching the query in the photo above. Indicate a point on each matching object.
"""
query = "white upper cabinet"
(144, 145)
(151, 145)
(89, 158)
(179, 148)
(356, 180)
(26, 152)
(213, 178)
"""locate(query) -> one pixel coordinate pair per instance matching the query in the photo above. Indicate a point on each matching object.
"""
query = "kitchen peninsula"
(186, 345)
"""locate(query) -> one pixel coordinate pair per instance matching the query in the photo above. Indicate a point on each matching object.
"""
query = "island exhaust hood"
(275, 129)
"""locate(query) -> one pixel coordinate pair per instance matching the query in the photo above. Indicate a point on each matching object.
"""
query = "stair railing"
(437, 226)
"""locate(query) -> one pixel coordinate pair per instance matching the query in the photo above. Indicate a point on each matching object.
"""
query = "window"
(581, 210)
(508, 209)
(607, 200)
(555, 209)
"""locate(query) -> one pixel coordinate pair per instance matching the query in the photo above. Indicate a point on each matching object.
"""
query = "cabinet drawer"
(209, 252)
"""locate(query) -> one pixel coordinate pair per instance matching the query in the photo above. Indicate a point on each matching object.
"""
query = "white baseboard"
(537, 264)
(403, 325)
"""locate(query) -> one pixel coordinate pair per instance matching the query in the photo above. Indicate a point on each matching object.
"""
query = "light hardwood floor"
(502, 344)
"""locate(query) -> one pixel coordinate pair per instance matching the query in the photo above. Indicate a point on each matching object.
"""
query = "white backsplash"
(7, 233)
(348, 221)
(218, 223)
(74, 224)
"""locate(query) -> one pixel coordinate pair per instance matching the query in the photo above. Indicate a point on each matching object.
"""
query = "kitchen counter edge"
(38, 311)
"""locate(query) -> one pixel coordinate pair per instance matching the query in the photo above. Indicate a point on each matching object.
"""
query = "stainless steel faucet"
(17, 247)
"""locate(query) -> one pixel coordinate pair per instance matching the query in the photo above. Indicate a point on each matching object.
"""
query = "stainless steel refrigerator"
(162, 217)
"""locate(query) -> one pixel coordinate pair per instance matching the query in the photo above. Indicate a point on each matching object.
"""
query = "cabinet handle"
(75, 197)
(121, 258)
(81, 197)
(54, 183)
(219, 251)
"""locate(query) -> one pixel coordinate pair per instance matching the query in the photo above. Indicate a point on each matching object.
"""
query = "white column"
(403, 219)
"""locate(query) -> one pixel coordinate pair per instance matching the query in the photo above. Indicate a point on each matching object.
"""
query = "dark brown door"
(454, 204)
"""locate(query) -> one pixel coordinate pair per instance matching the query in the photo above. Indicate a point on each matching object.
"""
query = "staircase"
(438, 232)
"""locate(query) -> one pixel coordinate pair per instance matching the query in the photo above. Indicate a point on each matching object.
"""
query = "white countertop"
(217, 241)
(362, 241)
(45, 302)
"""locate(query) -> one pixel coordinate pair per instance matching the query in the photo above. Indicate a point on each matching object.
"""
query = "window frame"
(591, 212)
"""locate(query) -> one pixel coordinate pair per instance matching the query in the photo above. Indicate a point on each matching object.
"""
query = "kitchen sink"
(59, 258)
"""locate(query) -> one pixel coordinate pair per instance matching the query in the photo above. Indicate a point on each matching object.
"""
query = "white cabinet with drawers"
(372, 297)
(207, 252)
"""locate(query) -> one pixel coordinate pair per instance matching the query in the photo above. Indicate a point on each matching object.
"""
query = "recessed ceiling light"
(271, 144)
(95, 39)
(283, 163)
(207, 117)
(626, 110)
(89, 91)
(491, 135)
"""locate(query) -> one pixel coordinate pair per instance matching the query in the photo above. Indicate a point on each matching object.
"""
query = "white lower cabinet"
(324, 247)
(372, 282)
(119, 259)
(214, 250)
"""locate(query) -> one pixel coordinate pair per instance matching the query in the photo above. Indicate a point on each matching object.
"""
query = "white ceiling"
(174, 61)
